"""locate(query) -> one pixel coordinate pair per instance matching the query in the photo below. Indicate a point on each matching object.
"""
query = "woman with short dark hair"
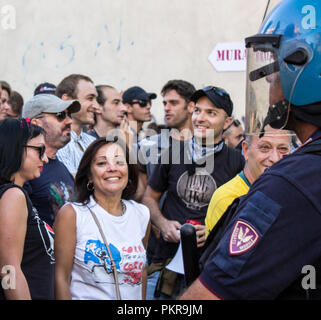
(100, 244)
(26, 242)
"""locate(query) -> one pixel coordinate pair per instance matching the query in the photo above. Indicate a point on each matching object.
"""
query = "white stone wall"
(124, 42)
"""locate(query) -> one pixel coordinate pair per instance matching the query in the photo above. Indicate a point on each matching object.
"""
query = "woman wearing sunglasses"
(26, 242)
(100, 241)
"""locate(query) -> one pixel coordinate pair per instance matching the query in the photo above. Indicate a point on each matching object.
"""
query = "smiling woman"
(26, 242)
(87, 266)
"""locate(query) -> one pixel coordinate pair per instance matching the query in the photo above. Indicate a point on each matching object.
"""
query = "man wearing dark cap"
(138, 103)
(55, 186)
(45, 88)
(190, 179)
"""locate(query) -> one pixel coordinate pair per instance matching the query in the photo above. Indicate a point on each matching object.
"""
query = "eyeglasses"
(142, 103)
(40, 149)
(221, 92)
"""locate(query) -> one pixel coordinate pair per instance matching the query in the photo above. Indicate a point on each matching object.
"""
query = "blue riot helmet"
(284, 66)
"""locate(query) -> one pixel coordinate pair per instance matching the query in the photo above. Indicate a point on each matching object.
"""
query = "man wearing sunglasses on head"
(138, 103)
(55, 186)
(190, 179)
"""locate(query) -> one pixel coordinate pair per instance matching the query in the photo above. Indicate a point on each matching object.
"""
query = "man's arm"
(141, 187)
(168, 228)
(197, 291)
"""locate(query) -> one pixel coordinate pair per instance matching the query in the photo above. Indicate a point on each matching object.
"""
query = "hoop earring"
(90, 186)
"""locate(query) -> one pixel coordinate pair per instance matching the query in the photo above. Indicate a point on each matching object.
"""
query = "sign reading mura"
(8, 17)
(228, 56)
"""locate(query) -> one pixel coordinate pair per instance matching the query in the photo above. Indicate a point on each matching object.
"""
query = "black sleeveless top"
(38, 255)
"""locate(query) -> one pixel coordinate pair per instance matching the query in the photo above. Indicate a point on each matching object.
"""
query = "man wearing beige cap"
(55, 186)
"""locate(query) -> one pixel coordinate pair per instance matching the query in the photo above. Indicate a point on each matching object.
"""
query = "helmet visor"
(265, 101)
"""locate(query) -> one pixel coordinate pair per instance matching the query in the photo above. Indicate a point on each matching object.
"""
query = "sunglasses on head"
(40, 149)
(221, 92)
(235, 123)
(142, 103)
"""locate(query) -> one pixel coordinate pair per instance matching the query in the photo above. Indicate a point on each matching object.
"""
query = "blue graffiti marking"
(65, 46)
(120, 35)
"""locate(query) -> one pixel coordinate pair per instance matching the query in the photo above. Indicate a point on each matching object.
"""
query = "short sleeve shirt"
(51, 190)
(188, 191)
(71, 154)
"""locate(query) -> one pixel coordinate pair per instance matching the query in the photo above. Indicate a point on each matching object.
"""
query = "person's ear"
(66, 97)
(245, 150)
(129, 108)
(190, 107)
(228, 122)
(37, 122)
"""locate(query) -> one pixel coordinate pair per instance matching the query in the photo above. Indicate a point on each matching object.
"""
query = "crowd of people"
(87, 136)
(94, 195)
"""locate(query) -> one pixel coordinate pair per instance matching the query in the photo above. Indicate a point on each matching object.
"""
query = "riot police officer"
(276, 230)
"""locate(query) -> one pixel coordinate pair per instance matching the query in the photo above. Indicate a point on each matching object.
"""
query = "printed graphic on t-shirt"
(129, 261)
(196, 190)
(60, 194)
(47, 235)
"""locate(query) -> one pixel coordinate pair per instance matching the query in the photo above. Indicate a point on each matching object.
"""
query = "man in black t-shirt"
(55, 186)
(191, 175)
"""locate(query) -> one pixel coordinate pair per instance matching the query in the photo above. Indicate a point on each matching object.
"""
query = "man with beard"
(189, 177)
(55, 186)
(178, 109)
(113, 111)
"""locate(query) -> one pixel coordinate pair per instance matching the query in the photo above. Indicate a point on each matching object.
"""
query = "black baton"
(190, 253)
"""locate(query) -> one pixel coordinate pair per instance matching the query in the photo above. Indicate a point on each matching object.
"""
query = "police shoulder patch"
(243, 238)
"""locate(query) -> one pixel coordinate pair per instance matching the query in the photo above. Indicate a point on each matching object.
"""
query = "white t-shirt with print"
(92, 276)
